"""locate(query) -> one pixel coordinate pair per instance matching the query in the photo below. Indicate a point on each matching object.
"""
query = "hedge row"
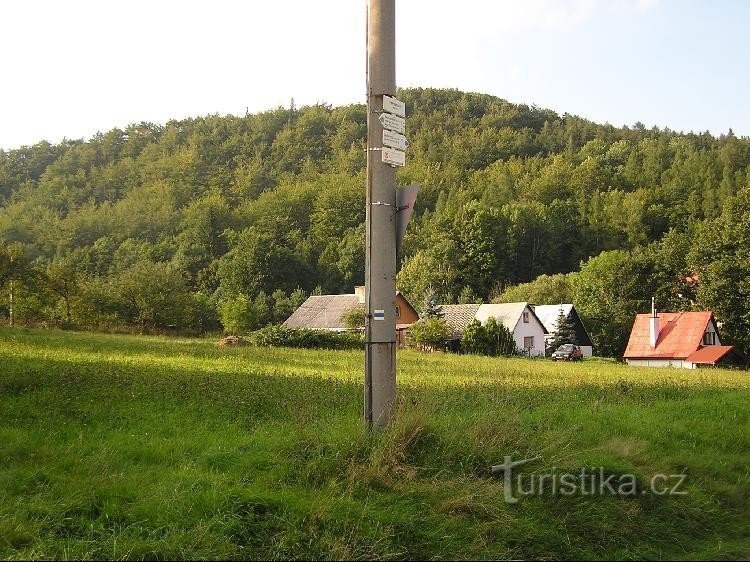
(281, 336)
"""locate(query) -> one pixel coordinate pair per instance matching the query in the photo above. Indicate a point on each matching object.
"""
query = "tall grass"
(146, 447)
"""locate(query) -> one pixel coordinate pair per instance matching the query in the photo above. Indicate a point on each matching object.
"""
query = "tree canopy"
(207, 211)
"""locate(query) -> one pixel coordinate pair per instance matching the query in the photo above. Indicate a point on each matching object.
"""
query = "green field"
(143, 447)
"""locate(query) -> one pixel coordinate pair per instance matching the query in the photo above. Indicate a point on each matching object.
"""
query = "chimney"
(359, 290)
(654, 324)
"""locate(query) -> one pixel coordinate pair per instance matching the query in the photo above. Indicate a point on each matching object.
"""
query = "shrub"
(236, 315)
(474, 338)
(354, 319)
(429, 333)
(281, 336)
(491, 339)
(500, 339)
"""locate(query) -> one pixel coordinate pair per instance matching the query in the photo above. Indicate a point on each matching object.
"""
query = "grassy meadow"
(130, 447)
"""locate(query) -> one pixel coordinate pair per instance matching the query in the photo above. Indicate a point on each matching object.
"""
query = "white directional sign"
(392, 105)
(393, 157)
(394, 140)
(392, 122)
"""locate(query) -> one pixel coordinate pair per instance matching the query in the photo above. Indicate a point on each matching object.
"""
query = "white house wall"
(679, 363)
(532, 328)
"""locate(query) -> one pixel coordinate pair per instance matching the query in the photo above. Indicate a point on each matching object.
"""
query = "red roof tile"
(680, 334)
(710, 354)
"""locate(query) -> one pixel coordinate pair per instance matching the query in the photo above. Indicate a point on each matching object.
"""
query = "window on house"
(525, 317)
(398, 311)
(528, 342)
(709, 338)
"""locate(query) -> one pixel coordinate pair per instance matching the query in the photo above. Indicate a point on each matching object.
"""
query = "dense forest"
(216, 221)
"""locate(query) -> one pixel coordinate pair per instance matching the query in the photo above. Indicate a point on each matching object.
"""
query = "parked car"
(568, 352)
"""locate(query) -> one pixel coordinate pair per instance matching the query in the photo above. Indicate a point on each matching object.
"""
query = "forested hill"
(186, 223)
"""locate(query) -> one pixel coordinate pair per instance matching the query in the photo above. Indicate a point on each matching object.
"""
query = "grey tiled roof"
(323, 312)
(458, 316)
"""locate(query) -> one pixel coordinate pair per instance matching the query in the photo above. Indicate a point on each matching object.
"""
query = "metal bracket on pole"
(405, 199)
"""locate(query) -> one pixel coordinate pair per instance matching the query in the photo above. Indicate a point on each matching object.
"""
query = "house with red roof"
(675, 339)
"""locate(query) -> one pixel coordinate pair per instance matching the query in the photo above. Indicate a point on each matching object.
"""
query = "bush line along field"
(146, 447)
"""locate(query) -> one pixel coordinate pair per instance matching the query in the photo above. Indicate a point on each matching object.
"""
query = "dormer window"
(709, 338)
(525, 317)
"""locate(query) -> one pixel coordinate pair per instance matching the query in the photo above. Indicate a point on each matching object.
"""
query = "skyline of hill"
(249, 206)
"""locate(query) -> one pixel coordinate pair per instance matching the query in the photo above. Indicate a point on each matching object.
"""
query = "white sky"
(73, 67)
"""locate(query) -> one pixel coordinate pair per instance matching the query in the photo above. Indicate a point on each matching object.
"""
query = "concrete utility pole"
(10, 308)
(380, 261)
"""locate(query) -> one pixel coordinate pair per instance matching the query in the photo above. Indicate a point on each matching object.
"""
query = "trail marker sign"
(393, 157)
(392, 105)
(392, 122)
(394, 140)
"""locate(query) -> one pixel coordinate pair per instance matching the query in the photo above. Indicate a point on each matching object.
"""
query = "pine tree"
(564, 331)
(467, 296)
(430, 308)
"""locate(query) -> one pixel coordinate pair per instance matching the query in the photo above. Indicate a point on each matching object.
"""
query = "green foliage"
(483, 244)
(281, 336)
(421, 275)
(152, 295)
(474, 339)
(612, 288)
(272, 202)
(500, 339)
(429, 333)
(237, 315)
(13, 262)
(259, 261)
(62, 280)
(721, 259)
(430, 306)
(467, 296)
(240, 315)
(545, 289)
(608, 292)
(354, 319)
(489, 339)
